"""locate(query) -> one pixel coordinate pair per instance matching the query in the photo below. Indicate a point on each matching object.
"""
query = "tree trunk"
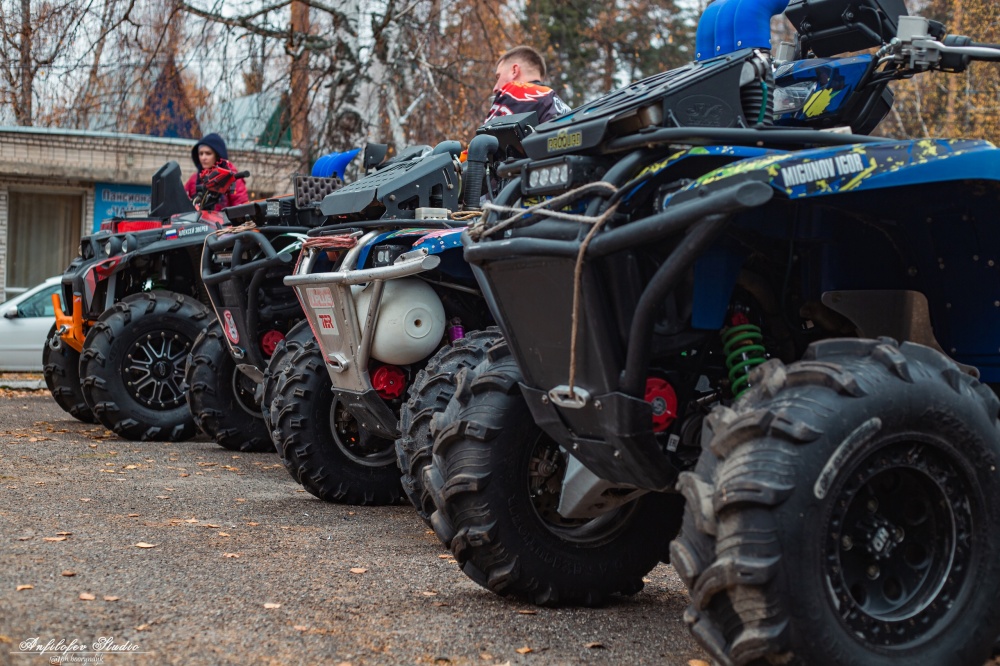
(301, 135)
(23, 113)
(951, 113)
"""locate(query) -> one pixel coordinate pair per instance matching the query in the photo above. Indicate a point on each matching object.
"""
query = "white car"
(24, 326)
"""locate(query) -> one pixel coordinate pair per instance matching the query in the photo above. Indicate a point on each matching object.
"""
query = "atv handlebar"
(920, 47)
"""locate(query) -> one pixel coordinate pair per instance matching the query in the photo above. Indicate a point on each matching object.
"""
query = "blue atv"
(743, 335)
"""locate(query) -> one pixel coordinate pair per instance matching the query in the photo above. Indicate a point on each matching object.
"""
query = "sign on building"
(113, 199)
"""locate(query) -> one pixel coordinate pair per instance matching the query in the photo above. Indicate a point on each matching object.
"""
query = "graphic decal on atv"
(824, 171)
(320, 297)
(231, 331)
(327, 323)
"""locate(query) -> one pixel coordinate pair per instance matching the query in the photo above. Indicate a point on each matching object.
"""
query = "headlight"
(789, 99)
(559, 174)
(533, 178)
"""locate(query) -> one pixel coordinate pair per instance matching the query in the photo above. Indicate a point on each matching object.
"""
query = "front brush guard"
(345, 343)
(233, 289)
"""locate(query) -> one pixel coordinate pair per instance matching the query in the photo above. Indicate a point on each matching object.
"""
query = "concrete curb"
(22, 384)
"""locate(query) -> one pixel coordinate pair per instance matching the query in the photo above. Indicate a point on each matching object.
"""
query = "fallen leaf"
(697, 662)
(170, 490)
(191, 520)
(84, 499)
(440, 603)
(6, 639)
(59, 538)
(486, 656)
(133, 515)
(183, 475)
(109, 598)
(211, 526)
(429, 593)
(240, 499)
(86, 596)
(444, 557)
(223, 533)
(163, 497)
(232, 555)
(24, 538)
(25, 587)
(523, 650)
(143, 544)
(270, 605)
(300, 627)
(64, 533)
(131, 467)
(528, 611)
(594, 645)
(142, 627)
(253, 524)
(93, 446)
(300, 490)
(358, 570)
(68, 574)
(344, 663)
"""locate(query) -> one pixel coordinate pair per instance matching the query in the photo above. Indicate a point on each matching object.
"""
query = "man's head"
(521, 63)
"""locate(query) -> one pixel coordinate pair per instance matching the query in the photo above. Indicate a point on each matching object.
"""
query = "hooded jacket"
(218, 146)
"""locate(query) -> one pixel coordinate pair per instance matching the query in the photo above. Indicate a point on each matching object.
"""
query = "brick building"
(57, 185)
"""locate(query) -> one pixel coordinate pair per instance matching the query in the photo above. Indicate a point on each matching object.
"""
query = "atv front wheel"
(430, 392)
(133, 365)
(221, 398)
(62, 377)
(845, 512)
(276, 365)
(496, 482)
(320, 442)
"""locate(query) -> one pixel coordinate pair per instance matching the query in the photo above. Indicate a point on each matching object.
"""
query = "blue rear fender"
(912, 215)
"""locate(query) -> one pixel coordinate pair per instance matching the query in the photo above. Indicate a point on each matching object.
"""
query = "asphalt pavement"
(186, 553)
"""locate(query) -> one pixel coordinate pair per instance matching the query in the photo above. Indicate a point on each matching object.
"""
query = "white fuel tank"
(410, 320)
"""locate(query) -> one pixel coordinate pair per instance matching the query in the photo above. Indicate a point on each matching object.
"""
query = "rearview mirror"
(10, 313)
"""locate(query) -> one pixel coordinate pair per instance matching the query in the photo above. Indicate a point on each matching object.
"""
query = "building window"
(43, 236)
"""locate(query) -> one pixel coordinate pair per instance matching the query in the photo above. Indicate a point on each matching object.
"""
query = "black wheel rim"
(154, 369)
(546, 470)
(244, 393)
(899, 546)
(356, 443)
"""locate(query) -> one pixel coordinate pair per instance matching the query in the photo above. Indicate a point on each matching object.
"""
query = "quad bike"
(132, 304)
(258, 319)
(787, 329)
(393, 309)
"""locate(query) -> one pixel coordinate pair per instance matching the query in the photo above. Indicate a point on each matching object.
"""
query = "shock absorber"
(743, 349)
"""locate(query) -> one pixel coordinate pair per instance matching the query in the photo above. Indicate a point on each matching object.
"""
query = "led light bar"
(558, 174)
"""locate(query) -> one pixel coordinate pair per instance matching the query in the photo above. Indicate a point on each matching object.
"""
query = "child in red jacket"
(205, 154)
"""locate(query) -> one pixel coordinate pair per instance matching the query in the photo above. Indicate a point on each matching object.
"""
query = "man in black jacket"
(518, 87)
